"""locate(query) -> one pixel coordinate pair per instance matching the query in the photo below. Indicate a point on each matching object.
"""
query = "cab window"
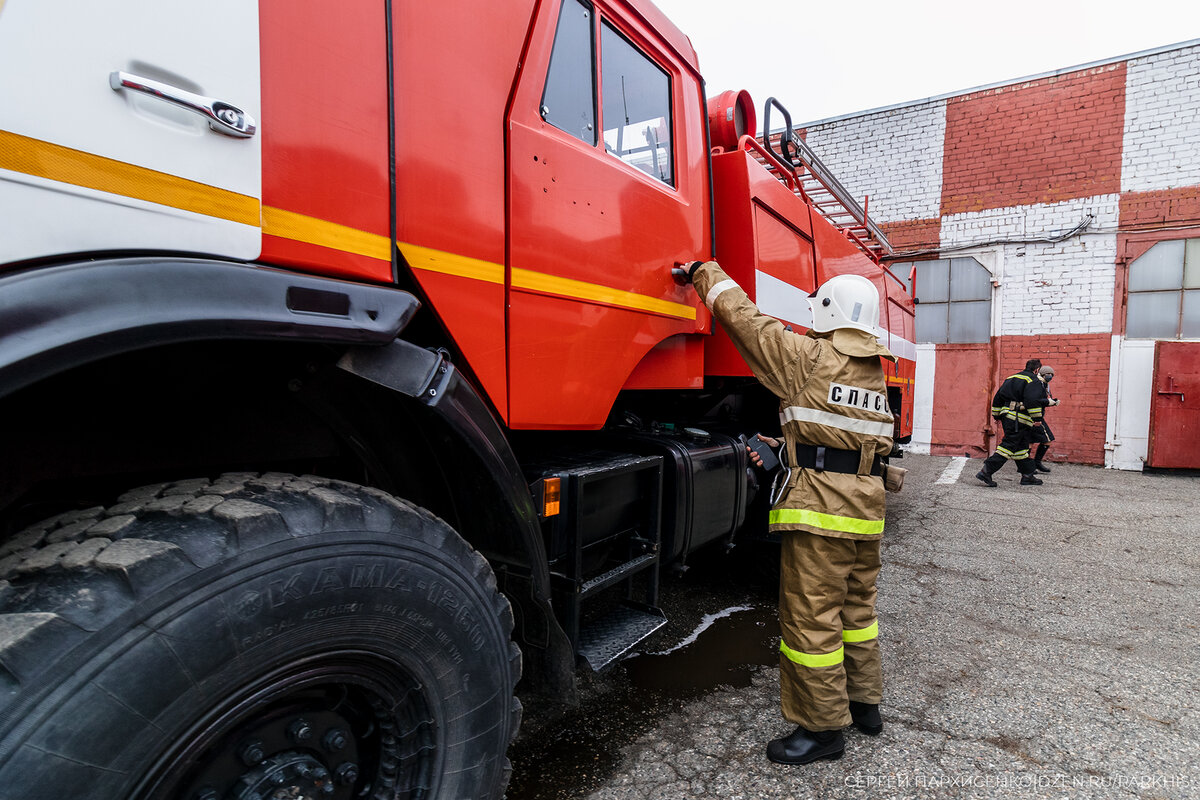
(569, 100)
(636, 108)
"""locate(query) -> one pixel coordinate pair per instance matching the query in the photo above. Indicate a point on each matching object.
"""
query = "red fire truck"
(344, 382)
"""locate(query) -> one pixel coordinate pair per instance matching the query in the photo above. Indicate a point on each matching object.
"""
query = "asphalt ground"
(1038, 642)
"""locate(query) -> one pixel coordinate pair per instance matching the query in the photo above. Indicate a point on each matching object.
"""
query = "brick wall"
(1156, 208)
(894, 156)
(913, 234)
(1162, 121)
(1063, 287)
(1040, 141)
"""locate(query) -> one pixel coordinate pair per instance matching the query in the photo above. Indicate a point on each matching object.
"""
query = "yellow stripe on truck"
(311, 230)
(594, 292)
(431, 260)
(439, 261)
(75, 167)
(65, 165)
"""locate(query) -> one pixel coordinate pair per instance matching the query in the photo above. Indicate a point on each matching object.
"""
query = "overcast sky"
(825, 59)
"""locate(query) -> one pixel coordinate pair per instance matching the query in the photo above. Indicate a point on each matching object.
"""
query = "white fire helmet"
(846, 301)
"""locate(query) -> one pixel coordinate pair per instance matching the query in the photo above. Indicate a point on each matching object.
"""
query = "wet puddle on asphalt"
(570, 757)
(723, 651)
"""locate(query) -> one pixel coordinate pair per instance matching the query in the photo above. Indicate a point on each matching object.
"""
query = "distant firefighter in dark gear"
(1019, 405)
(829, 501)
(1043, 435)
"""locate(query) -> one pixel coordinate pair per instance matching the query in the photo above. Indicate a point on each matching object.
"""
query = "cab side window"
(569, 100)
(636, 108)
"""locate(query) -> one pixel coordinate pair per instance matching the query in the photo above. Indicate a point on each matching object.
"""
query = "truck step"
(603, 642)
(618, 573)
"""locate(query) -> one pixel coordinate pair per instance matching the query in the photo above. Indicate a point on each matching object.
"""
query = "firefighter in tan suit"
(830, 508)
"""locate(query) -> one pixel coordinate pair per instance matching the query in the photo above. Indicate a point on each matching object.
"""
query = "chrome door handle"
(222, 117)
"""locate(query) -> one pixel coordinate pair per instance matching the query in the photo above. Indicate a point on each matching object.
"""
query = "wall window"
(636, 108)
(955, 300)
(569, 100)
(1164, 292)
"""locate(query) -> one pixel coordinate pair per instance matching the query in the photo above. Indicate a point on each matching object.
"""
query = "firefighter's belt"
(831, 459)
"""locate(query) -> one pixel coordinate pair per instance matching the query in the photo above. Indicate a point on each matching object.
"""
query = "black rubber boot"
(1031, 480)
(1039, 455)
(986, 477)
(866, 718)
(805, 746)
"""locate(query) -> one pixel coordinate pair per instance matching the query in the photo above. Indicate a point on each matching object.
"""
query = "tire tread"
(52, 573)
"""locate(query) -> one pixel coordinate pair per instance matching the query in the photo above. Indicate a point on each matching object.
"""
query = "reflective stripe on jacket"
(832, 393)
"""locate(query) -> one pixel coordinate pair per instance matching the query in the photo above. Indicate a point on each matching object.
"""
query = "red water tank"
(730, 115)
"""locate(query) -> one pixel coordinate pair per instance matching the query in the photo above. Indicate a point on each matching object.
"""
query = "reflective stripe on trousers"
(862, 634)
(813, 660)
(827, 522)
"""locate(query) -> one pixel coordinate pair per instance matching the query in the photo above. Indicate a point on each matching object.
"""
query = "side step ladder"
(606, 534)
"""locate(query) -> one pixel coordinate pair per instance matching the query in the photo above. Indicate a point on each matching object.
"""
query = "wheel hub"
(286, 776)
(299, 753)
(326, 739)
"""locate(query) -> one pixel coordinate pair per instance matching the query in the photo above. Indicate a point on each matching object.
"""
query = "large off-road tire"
(253, 637)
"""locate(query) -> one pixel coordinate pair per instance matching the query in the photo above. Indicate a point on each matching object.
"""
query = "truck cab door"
(607, 188)
(98, 151)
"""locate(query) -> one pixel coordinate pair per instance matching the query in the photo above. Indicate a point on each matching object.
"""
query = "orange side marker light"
(551, 496)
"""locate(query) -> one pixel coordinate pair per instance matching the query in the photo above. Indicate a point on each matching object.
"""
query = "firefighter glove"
(683, 273)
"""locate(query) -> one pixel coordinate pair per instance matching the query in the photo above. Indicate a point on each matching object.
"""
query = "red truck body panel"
(761, 226)
(325, 139)
(778, 250)
(455, 67)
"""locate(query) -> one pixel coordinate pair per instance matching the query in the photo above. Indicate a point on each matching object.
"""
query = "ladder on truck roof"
(799, 168)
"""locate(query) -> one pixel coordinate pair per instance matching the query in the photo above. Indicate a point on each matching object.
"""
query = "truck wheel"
(253, 637)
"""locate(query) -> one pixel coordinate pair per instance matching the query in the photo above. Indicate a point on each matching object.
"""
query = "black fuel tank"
(705, 487)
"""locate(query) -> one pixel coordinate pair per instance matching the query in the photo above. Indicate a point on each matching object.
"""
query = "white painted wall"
(1162, 115)
(895, 156)
(1065, 287)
